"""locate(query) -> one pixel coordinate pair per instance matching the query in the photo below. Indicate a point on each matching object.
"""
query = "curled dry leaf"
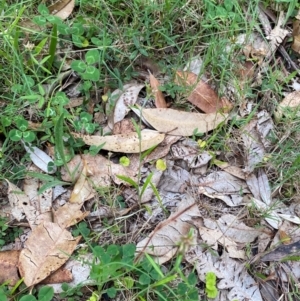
(203, 96)
(62, 8)
(82, 190)
(126, 98)
(181, 123)
(127, 143)
(48, 247)
(40, 158)
(160, 101)
(163, 241)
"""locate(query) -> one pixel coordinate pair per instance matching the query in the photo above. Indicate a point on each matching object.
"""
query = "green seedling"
(210, 285)
(124, 161)
(22, 132)
(85, 123)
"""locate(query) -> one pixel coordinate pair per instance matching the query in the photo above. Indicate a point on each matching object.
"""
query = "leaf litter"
(195, 178)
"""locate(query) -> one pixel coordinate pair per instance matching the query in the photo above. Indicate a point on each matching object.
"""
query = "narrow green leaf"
(52, 46)
(51, 184)
(59, 142)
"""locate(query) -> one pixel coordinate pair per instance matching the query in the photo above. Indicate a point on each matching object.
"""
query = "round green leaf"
(54, 20)
(28, 298)
(85, 117)
(124, 161)
(144, 279)
(5, 121)
(77, 29)
(78, 66)
(43, 10)
(91, 73)
(39, 20)
(28, 136)
(92, 56)
(111, 292)
(15, 135)
(90, 128)
(22, 124)
(49, 112)
(46, 293)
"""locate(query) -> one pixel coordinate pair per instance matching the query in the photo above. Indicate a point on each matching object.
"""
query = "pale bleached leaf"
(62, 8)
(264, 187)
(40, 158)
(182, 123)
(291, 218)
(127, 143)
(127, 99)
(163, 242)
(223, 186)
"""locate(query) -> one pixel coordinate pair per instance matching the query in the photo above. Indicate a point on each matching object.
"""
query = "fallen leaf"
(69, 215)
(202, 96)
(264, 187)
(296, 36)
(82, 190)
(80, 268)
(160, 101)
(60, 276)
(163, 241)
(127, 143)
(234, 278)
(289, 105)
(9, 267)
(62, 8)
(47, 248)
(181, 123)
(233, 170)
(214, 236)
(40, 158)
(20, 204)
(223, 186)
(124, 126)
(126, 98)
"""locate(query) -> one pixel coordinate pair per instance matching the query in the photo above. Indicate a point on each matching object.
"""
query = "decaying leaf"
(62, 8)
(40, 158)
(255, 137)
(41, 202)
(20, 204)
(127, 143)
(223, 186)
(181, 123)
(9, 266)
(125, 99)
(69, 215)
(203, 96)
(82, 190)
(289, 106)
(233, 170)
(100, 170)
(48, 248)
(163, 241)
(160, 101)
(59, 276)
(232, 275)
(296, 35)
(214, 236)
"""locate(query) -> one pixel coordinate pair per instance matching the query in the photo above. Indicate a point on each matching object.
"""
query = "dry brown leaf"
(160, 101)
(203, 96)
(163, 241)
(181, 123)
(296, 36)
(82, 190)
(69, 215)
(127, 143)
(62, 8)
(290, 102)
(60, 276)
(124, 126)
(233, 170)
(9, 267)
(48, 247)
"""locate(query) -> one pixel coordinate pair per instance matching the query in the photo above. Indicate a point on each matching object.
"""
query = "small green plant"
(210, 285)
(124, 161)
(85, 123)
(22, 132)
(3, 230)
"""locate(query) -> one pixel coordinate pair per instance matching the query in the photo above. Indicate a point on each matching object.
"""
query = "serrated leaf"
(127, 143)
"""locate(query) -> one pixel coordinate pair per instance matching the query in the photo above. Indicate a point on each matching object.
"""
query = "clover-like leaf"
(91, 73)
(78, 66)
(92, 56)
(22, 124)
(28, 136)
(15, 135)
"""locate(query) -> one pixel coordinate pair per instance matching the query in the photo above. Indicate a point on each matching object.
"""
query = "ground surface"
(149, 150)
